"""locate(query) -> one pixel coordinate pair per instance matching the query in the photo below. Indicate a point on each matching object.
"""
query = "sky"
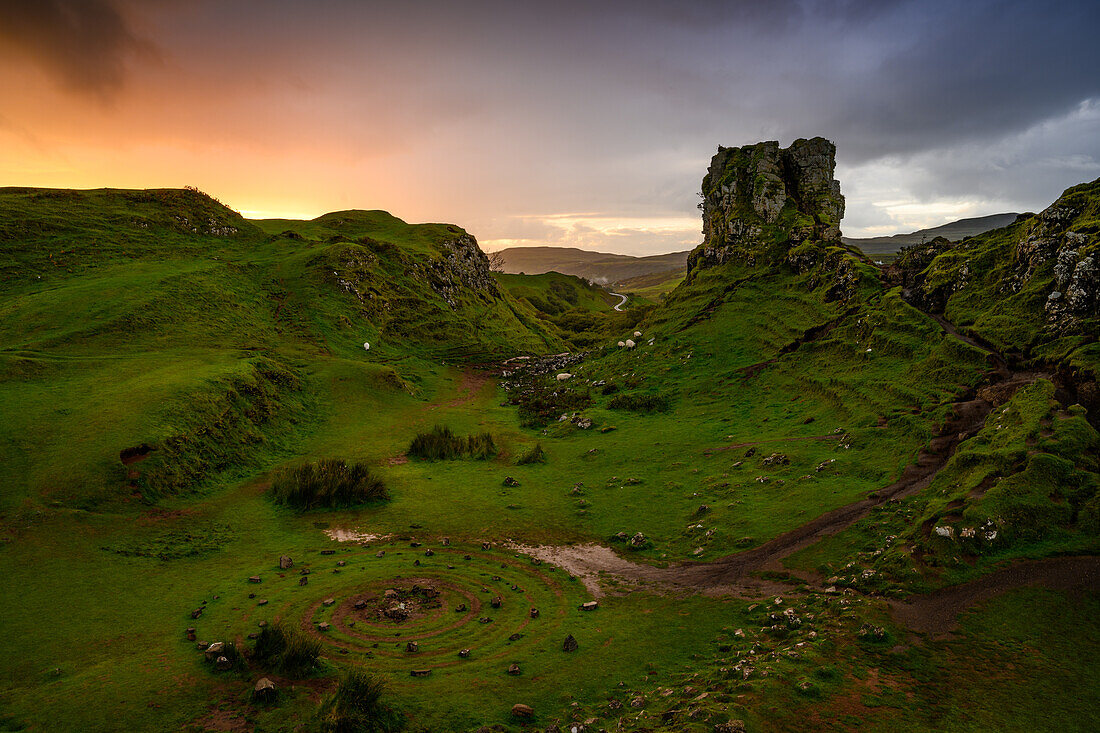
(586, 124)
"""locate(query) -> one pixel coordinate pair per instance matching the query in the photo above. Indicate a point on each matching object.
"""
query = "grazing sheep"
(637, 334)
(366, 345)
(622, 344)
(629, 343)
(564, 376)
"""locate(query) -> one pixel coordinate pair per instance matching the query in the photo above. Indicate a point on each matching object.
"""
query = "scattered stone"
(465, 557)
(485, 620)
(497, 602)
(534, 613)
(328, 552)
(460, 608)
(285, 563)
(196, 613)
(341, 563)
(485, 546)
(570, 644)
(380, 553)
(254, 635)
(514, 669)
(515, 637)
(420, 672)
(255, 579)
(222, 664)
(323, 626)
(261, 602)
(509, 481)
(732, 726)
(446, 541)
(303, 580)
(328, 602)
(214, 650)
(429, 553)
(638, 540)
(520, 710)
(412, 647)
(265, 691)
(416, 562)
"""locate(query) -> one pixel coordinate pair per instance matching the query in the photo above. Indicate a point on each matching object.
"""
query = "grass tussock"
(640, 403)
(534, 455)
(327, 484)
(286, 650)
(358, 705)
(441, 444)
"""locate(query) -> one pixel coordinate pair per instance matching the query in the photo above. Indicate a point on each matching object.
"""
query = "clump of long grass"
(440, 444)
(535, 455)
(329, 483)
(358, 705)
(286, 650)
(640, 403)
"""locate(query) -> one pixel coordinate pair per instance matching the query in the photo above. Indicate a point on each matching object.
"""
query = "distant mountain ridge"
(952, 231)
(599, 267)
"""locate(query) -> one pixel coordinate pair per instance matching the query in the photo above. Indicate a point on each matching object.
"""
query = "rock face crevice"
(763, 201)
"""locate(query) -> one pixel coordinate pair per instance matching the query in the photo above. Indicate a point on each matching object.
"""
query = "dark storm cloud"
(83, 44)
(970, 71)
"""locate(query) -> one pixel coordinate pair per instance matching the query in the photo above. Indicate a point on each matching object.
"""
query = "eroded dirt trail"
(740, 574)
(937, 613)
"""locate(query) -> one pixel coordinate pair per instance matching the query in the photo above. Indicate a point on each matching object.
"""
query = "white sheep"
(366, 345)
(637, 334)
(564, 376)
(629, 343)
(622, 344)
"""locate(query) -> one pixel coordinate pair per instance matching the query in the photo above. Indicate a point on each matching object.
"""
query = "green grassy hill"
(748, 476)
(163, 319)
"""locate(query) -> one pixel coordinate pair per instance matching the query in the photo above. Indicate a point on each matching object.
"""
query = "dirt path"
(937, 613)
(622, 302)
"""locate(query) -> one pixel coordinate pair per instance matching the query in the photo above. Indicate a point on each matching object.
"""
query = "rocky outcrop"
(1054, 255)
(762, 201)
(463, 265)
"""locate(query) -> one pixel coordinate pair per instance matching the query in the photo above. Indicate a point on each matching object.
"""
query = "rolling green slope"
(163, 319)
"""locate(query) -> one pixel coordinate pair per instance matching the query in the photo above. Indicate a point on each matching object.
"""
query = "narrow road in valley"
(622, 302)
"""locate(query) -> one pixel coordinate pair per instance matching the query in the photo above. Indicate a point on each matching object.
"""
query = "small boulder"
(464, 653)
(303, 580)
(265, 691)
(412, 647)
(509, 481)
(323, 626)
(214, 650)
(420, 672)
(255, 579)
(285, 563)
(513, 669)
(520, 710)
(329, 601)
(590, 606)
(570, 644)
(534, 613)
(222, 664)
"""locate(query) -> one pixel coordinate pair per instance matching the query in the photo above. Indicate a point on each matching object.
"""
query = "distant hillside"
(874, 247)
(598, 267)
